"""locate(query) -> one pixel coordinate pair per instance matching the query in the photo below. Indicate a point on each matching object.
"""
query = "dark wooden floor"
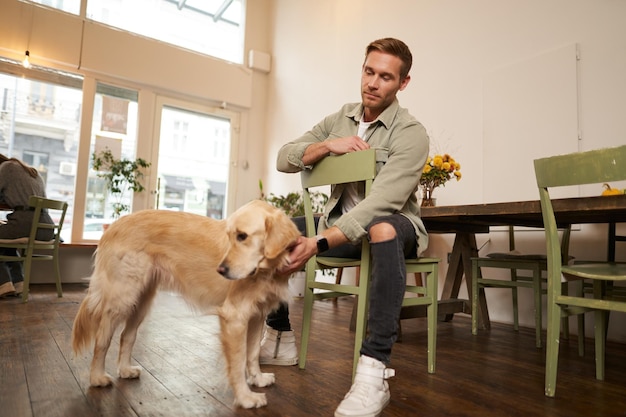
(497, 373)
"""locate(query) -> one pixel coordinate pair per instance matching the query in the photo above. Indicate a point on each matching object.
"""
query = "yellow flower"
(438, 170)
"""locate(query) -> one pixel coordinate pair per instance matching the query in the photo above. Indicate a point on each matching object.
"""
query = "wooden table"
(466, 221)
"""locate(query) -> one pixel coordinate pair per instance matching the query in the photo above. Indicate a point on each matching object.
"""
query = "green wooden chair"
(353, 167)
(29, 249)
(591, 167)
(525, 271)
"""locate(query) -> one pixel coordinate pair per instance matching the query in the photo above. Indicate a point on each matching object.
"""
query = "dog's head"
(259, 239)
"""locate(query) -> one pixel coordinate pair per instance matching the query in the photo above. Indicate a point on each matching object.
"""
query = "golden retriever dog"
(225, 264)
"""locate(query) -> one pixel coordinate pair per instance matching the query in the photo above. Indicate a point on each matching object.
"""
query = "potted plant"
(120, 175)
(292, 203)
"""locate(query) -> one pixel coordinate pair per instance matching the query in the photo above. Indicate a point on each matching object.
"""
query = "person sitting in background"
(18, 182)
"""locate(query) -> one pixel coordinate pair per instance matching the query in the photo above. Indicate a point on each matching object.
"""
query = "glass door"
(194, 154)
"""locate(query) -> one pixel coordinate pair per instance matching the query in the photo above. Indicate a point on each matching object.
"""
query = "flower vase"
(427, 197)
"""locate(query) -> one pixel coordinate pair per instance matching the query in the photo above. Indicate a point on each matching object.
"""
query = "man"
(388, 217)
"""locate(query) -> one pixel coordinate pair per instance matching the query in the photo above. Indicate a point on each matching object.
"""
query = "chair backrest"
(614, 238)
(564, 243)
(42, 205)
(591, 167)
(340, 169)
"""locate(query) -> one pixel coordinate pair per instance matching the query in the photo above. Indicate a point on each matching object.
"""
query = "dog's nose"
(222, 270)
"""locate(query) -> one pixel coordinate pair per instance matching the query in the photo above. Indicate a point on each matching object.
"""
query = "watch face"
(322, 245)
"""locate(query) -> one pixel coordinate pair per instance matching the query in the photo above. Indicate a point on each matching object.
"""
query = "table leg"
(463, 250)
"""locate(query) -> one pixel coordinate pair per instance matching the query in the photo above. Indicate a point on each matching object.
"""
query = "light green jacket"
(401, 144)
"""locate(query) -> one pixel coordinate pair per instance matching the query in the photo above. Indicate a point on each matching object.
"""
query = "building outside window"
(39, 124)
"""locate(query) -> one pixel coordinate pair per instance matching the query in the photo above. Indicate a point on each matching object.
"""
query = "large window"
(114, 127)
(69, 6)
(40, 124)
(211, 27)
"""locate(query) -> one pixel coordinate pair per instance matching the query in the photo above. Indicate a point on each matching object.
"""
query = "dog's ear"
(280, 232)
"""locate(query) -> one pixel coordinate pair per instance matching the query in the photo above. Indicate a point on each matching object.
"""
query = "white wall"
(318, 48)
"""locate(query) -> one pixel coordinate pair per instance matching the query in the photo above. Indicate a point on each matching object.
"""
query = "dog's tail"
(85, 325)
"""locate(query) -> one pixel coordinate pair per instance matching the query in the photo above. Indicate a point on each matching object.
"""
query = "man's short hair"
(394, 47)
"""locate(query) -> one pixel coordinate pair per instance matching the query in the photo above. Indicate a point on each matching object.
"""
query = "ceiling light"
(26, 61)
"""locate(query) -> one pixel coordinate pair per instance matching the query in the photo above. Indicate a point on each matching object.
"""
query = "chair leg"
(580, 290)
(338, 281)
(353, 317)
(26, 287)
(338, 276)
(565, 320)
(431, 290)
(552, 345)
(537, 307)
(600, 342)
(57, 270)
(476, 273)
(419, 280)
(600, 317)
(306, 317)
(514, 299)
(361, 316)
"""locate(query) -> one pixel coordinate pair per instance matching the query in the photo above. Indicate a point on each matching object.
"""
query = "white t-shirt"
(350, 196)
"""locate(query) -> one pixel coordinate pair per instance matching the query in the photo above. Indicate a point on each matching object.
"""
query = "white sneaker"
(278, 348)
(369, 393)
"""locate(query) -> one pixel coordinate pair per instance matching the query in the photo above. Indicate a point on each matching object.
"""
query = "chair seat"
(517, 255)
(328, 262)
(21, 240)
(418, 261)
(608, 271)
(24, 241)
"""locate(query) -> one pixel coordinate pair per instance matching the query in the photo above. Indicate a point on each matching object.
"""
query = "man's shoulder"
(347, 111)
(396, 115)
(405, 115)
(351, 108)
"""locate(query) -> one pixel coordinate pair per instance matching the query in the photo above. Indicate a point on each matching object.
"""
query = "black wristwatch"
(322, 244)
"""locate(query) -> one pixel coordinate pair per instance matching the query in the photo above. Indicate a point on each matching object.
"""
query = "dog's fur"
(229, 264)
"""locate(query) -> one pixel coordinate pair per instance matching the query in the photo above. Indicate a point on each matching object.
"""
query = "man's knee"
(382, 232)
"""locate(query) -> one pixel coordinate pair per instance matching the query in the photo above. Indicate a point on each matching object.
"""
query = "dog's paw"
(262, 379)
(251, 400)
(129, 372)
(101, 380)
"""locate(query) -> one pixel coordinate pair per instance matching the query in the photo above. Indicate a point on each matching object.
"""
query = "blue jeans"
(387, 285)
(10, 271)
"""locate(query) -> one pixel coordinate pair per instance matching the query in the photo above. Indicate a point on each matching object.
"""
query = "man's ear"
(405, 82)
